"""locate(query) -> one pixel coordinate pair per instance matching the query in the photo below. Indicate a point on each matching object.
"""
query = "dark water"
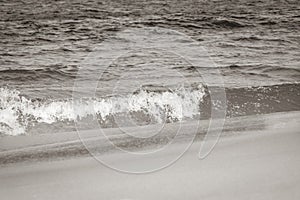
(254, 44)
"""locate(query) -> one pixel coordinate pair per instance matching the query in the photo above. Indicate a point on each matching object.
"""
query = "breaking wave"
(148, 105)
(19, 113)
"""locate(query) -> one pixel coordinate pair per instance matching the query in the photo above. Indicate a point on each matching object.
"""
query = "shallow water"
(254, 45)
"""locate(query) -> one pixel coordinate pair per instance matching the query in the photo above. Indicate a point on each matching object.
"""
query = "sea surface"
(254, 45)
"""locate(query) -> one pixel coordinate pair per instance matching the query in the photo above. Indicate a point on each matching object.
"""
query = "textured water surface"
(254, 44)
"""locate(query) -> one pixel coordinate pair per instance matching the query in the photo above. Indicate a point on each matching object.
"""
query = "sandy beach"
(261, 164)
(149, 100)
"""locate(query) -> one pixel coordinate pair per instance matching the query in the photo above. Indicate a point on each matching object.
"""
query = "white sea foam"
(17, 112)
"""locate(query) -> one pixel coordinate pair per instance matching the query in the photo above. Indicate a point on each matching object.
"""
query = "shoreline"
(257, 164)
(60, 146)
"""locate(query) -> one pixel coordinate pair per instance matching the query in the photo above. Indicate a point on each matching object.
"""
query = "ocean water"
(254, 46)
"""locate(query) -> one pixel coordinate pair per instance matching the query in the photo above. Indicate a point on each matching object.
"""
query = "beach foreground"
(260, 164)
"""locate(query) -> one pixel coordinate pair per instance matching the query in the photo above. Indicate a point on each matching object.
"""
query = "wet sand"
(251, 164)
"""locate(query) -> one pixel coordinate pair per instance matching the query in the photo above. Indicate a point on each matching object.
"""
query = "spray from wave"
(19, 113)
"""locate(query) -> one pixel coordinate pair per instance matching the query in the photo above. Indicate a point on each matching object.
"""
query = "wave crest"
(18, 113)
